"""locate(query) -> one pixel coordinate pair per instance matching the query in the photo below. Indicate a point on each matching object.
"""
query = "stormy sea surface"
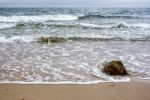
(98, 35)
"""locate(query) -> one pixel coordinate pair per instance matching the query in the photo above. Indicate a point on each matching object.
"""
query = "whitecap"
(89, 25)
(7, 25)
(39, 18)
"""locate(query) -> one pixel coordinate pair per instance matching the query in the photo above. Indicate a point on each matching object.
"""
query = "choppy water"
(24, 60)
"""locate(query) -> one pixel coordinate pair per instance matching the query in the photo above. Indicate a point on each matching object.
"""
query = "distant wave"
(75, 25)
(107, 16)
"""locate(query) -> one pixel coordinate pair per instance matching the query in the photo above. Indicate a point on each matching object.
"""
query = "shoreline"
(64, 82)
(136, 89)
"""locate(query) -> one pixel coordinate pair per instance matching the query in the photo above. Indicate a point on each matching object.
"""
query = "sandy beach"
(133, 90)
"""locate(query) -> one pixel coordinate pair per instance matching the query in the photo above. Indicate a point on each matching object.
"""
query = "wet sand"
(134, 90)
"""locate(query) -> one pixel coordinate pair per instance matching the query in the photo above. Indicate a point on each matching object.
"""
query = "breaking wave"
(40, 18)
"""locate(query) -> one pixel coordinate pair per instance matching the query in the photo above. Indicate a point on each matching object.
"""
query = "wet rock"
(114, 68)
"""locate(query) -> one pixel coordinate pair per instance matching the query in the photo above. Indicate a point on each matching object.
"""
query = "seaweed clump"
(51, 40)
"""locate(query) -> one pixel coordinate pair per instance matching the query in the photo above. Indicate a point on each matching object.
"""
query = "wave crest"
(40, 18)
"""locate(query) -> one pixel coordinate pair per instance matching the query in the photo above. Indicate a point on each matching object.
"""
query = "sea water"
(103, 34)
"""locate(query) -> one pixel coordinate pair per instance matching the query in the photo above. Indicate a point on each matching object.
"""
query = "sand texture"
(133, 90)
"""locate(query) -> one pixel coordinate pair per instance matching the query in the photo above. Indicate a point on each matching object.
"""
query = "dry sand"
(134, 90)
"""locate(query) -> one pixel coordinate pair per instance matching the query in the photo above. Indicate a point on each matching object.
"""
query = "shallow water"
(71, 61)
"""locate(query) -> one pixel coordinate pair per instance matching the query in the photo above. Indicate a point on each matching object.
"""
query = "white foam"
(89, 25)
(16, 39)
(39, 18)
(3, 40)
(140, 25)
(94, 25)
(61, 82)
(120, 24)
(145, 78)
(7, 25)
(133, 25)
(100, 74)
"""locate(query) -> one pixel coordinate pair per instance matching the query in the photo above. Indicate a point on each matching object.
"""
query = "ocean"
(98, 35)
